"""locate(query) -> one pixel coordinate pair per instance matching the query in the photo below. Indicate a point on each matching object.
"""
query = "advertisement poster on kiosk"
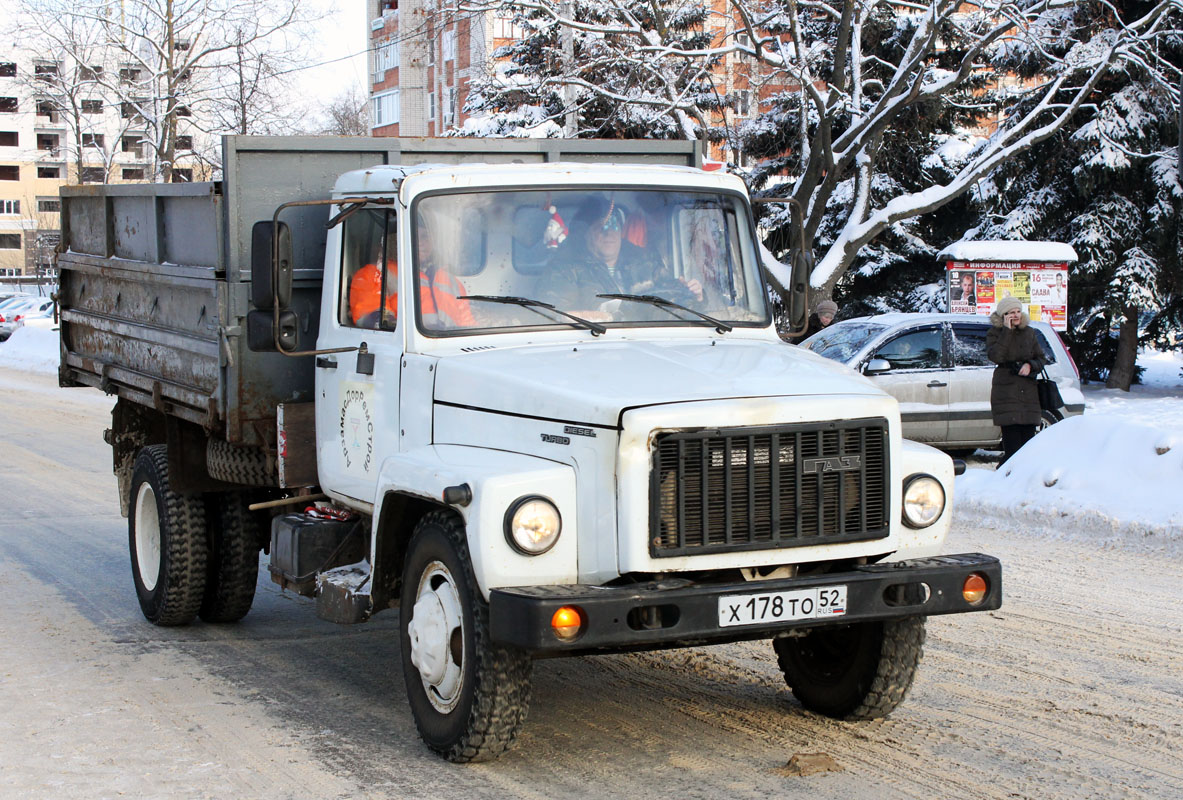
(979, 274)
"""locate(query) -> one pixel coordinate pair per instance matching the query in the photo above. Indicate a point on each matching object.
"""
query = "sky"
(1108, 477)
(342, 36)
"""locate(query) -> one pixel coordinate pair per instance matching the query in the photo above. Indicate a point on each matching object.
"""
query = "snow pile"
(1091, 475)
(31, 349)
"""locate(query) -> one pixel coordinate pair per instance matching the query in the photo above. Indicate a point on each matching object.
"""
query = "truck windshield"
(565, 248)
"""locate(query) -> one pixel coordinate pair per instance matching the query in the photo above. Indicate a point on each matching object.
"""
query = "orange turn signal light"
(567, 623)
(974, 588)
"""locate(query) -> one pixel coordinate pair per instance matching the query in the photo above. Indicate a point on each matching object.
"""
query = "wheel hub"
(147, 533)
(436, 624)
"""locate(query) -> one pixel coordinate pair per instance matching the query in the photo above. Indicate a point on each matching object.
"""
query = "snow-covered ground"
(1113, 475)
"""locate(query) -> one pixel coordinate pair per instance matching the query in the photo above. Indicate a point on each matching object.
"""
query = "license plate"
(758, 609)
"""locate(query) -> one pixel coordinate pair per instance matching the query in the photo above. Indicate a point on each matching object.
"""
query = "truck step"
(343, 594)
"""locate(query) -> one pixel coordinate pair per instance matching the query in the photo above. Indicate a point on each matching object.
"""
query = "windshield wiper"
(668, 305)
(595, 327)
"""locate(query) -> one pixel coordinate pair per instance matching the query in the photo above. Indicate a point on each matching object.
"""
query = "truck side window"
(369, 241)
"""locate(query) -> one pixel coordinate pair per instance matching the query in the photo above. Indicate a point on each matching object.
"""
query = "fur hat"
(1008, 304)
(827, 307)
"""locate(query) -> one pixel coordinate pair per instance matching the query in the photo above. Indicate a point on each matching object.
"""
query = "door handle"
(936, 384)
(325, 362)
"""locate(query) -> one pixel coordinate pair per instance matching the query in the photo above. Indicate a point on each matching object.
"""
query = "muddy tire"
(853, 672)
(166, 537)
(234, 537)
(469, 696)
(245, 466)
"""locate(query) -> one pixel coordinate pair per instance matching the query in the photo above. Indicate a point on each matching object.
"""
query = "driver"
(598, 260)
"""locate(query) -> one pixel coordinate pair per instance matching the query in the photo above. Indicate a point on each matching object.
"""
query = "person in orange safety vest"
(441, 296)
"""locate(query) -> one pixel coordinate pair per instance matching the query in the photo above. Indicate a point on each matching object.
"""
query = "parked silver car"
(936, 366)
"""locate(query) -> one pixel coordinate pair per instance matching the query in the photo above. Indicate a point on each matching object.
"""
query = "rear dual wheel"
(167, 540)
(189, 558)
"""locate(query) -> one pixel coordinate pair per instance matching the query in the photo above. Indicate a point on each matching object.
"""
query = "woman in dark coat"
(1014, 398)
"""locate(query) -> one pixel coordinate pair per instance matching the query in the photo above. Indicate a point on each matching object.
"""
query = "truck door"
(357, 393)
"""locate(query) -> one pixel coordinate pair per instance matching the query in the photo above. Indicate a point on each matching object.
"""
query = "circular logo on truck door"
(357, 427)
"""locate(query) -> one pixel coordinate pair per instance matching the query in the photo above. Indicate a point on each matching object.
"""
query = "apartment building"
(59, 124)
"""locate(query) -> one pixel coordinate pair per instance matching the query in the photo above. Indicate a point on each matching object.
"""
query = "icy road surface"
(1074, 689)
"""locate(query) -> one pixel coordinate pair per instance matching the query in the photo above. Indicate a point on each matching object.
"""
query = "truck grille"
(761, 488)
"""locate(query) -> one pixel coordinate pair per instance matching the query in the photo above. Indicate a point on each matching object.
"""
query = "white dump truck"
(528, 393)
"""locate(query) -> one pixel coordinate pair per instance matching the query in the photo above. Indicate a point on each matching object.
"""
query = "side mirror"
(265, 281)
(876, 366)
(260, 330)
(802, 264)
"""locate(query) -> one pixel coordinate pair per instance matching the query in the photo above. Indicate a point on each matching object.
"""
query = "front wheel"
(468, 695)
(854, 672)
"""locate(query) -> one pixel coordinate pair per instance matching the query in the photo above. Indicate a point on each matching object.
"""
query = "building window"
(132, 144)
(388, 58)
(8, 105)
(10, 241)
(182, 175)
(92, 106)
(10, 206)
(45, 72)
(45, 109)
(127, 110)
(9, 138)
(49, 172)
(49, 205)
(743, 102)
(503, 27)
(449, 106)
(449, 45)
(93, 175)
(47, 141)
(431, 106)
(129, 75)
(183, 111)
(185, 142)
(89, 73)
(7, 69)
(134, 173)
(10, 172)
(181, 45)
(92, 140)
(431, 47)
(386, 109)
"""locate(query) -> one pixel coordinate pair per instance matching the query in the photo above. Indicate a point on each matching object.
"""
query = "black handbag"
(1049, 392)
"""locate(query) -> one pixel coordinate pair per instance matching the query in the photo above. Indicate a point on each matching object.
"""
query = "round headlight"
(924, 500)
(532, 525)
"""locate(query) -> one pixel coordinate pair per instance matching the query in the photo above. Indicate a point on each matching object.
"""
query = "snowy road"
(1074, 689)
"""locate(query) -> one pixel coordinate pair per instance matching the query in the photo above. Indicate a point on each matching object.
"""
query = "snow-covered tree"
(864, 71)
(1108, 183)
(626, 69)
(211, 63)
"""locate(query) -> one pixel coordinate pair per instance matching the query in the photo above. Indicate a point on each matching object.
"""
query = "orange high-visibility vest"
(365, 291)
(443, 302)
(443, 295)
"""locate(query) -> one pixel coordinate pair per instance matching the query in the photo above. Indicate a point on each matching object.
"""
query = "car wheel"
(1047, 419)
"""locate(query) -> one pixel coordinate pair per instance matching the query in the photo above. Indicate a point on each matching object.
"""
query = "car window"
(914, 350)
(843, 340)
(1048, 352)
(968, 346)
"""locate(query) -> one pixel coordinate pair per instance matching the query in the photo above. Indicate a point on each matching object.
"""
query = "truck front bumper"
(678, 612)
